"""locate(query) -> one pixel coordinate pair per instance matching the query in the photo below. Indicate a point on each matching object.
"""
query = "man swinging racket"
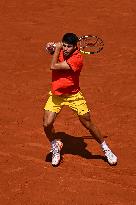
(66, 65)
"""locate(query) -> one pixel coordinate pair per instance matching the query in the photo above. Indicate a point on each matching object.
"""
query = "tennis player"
(66, 65)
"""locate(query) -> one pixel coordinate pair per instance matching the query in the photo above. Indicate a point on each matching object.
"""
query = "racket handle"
(50, 47)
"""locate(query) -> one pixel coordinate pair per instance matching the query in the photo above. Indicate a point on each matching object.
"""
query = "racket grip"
(50, 48)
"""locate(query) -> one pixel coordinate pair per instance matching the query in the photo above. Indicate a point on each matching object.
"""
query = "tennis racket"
(89, 44)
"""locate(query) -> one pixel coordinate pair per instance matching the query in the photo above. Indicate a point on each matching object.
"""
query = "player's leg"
(89, 125)
(51, 110)
(48, 120)
(78, 104)
(56, 145)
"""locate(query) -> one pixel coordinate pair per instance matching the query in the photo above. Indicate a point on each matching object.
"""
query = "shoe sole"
(111, 164)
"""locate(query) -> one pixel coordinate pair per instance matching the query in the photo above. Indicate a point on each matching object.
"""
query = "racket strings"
(90, 44)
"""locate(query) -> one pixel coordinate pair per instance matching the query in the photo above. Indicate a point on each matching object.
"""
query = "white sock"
(104, 146)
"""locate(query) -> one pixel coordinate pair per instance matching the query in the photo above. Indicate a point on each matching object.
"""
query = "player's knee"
(86, 121)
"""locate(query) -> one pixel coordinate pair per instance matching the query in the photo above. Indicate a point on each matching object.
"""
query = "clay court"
(108, 81)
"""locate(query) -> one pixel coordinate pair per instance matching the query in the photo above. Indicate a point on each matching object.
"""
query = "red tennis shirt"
(67, 81)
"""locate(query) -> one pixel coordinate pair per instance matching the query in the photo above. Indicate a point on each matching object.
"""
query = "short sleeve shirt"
(67, 81)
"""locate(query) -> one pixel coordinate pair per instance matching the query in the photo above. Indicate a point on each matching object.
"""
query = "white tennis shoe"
(56, 147)
(112, 159)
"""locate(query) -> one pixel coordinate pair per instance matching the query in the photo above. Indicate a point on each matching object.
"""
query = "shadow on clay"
(75, 146)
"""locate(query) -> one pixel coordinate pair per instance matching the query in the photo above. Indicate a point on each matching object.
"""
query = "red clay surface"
(108, 83)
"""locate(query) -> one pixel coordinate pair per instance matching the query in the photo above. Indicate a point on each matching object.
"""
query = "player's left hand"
(58, 45)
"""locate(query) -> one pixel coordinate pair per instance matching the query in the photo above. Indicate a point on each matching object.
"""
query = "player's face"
(68, 49)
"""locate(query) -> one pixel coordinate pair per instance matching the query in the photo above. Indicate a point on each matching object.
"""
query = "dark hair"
(70, 38)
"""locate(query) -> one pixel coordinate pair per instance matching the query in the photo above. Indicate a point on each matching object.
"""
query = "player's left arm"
(55, 65)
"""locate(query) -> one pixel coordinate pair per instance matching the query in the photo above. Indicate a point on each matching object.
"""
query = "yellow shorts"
(75, 101)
